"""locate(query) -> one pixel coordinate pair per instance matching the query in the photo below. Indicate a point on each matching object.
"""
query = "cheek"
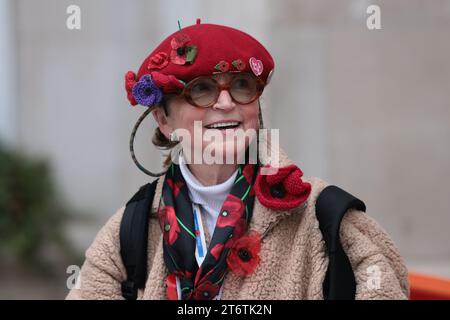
(185, 119)
(250, 115)
(186, 116)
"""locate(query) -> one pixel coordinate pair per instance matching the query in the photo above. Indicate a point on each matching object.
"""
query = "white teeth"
(223, 124)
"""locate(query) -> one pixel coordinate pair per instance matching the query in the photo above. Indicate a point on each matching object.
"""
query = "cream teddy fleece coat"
(293, 256)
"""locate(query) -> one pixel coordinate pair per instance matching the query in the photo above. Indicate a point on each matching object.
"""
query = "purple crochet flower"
(146, 92)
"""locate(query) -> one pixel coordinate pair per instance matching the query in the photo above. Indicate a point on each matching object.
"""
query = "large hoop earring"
(260, 116)
(261, 126)
(133, 156)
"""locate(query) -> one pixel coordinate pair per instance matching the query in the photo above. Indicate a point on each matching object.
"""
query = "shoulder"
(102, 271)
(379, 269)
(370, 249)
(109, 234)
(360, 233)
(107, 239)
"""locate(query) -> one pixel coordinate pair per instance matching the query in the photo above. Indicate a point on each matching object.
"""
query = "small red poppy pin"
(243, 257)
(238, 64)
(182, 53)
(222, 66)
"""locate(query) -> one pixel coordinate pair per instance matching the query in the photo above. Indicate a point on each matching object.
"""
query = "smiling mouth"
(224, 125)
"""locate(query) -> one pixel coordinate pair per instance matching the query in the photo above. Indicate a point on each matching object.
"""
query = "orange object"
(426, 287)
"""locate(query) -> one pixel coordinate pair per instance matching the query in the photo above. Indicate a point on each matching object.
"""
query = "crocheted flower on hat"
(158, 61)
(283, 190)
(243, 257)
(130, 81)
(167, 83)
(146, 93)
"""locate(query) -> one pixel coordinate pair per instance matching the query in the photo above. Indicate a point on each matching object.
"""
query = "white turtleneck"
(210, 198)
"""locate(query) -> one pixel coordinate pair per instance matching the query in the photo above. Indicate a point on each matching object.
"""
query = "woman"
(226, 223)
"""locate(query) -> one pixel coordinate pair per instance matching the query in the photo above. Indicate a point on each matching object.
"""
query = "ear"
(161, 118)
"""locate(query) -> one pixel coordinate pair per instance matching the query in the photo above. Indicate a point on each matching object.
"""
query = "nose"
(224, 102)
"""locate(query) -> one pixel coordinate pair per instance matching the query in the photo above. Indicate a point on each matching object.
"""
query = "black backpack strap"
(331, 206)
(134, 238)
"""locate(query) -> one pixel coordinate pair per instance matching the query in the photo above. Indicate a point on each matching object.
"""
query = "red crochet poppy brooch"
(283, 190)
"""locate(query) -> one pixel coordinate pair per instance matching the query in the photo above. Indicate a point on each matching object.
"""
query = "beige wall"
(366, 110)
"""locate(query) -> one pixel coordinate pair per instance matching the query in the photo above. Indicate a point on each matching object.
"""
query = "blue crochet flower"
(146, 93)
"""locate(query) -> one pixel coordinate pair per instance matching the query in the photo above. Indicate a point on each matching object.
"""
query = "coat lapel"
(264, 219)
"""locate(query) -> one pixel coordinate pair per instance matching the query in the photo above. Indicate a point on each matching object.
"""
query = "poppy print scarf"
(178, 225)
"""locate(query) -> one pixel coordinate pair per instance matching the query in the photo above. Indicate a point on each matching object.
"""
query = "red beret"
(197, 50)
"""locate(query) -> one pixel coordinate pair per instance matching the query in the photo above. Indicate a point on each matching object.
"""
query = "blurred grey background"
(368, 110)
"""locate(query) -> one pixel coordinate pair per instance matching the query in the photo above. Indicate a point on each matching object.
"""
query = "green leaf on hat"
(191, 54)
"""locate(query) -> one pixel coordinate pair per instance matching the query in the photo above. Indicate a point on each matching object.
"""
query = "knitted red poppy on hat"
(202, 50)
(283, 190)
(158, 61)
(167, 83)
(130, 81)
